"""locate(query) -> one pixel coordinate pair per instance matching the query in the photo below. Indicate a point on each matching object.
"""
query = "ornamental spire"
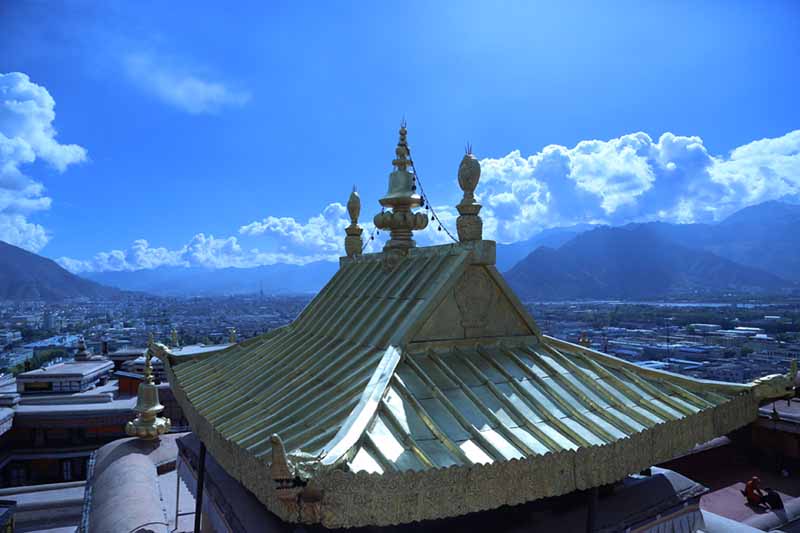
(82, 354)
(585, 341)
(148, 425)
(174, 338)
(353, 243)
(401, 198)
(469, 224)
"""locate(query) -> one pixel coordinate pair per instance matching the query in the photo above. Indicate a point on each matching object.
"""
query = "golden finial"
(469, 224)
(148, 425)
(232, 336)
(584, 340)
(402, 152)
(401, 199)
(352, 242)
(148, 366)
(354, 206)
(82, 354)
(174, 337)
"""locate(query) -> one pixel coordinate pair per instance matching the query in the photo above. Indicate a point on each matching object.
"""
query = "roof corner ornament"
(82, 354)
(585, 341)
(232, 336)
(776, 386)
(353, 243)
(401, 197)
(174, 338)
(469, 224)
(148, 425)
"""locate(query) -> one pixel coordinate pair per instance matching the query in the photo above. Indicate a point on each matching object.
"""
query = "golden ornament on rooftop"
(401, 198)
(148, 425)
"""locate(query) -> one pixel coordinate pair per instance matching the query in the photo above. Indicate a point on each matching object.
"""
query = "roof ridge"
(356, 424)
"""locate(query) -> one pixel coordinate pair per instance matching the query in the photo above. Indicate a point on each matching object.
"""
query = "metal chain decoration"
(427, 201)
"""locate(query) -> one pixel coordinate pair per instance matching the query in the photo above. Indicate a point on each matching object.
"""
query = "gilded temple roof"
(430, 373)
(416, 386)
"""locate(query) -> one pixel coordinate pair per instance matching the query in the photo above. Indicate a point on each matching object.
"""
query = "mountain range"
(761, 236)
(27, 276)
(279, 278)
(631, 262)
(755, 250)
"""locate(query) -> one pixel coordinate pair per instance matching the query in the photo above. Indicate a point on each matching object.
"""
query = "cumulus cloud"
(205, 251)
(202, 250)
(27, 112)
(282, 240)
(321, 233)
(632, 178)
(180, 88)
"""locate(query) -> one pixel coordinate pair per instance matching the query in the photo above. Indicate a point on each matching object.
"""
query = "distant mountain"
(509, 255)
(180, 281)
(632, 262)
(762, 236)
(27, 276)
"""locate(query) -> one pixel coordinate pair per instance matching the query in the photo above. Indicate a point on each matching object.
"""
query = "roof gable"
(478, 305)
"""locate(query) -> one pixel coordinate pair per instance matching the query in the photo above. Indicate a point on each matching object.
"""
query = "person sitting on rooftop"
(758, 497)
(752, 491)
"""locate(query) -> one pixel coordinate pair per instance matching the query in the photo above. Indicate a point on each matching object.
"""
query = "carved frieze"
(475, 296)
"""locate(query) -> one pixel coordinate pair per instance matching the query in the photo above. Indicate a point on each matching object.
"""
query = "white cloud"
(632, 178)
(180, 88)
(625, 179)
(321, 233)
(27, 112)
(285, 239)
(202, 250)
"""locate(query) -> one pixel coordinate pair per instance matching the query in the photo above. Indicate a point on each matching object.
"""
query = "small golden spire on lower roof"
(174, 338)
(148, 425)
(585, 340)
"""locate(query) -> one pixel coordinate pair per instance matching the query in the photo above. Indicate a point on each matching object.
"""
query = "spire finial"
(148, 425)
(82, 354)
(469, 224)
(352, 242)
(148, 366)
(232, 336)
(402, 152)
(402, 197)
(584, 340)
(174, 338)
(354, 206)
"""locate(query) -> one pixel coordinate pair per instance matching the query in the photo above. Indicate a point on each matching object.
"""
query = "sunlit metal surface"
(303, 381)
(499, 401)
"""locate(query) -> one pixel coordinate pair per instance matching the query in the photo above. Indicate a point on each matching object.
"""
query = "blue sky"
(134, 135)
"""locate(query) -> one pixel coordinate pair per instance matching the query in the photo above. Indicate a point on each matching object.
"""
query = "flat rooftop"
(786, 411)
(725, 469)
(195, 349)
(68, 369)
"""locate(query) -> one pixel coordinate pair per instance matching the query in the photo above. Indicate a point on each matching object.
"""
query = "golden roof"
(432, 379)
(416, 386)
